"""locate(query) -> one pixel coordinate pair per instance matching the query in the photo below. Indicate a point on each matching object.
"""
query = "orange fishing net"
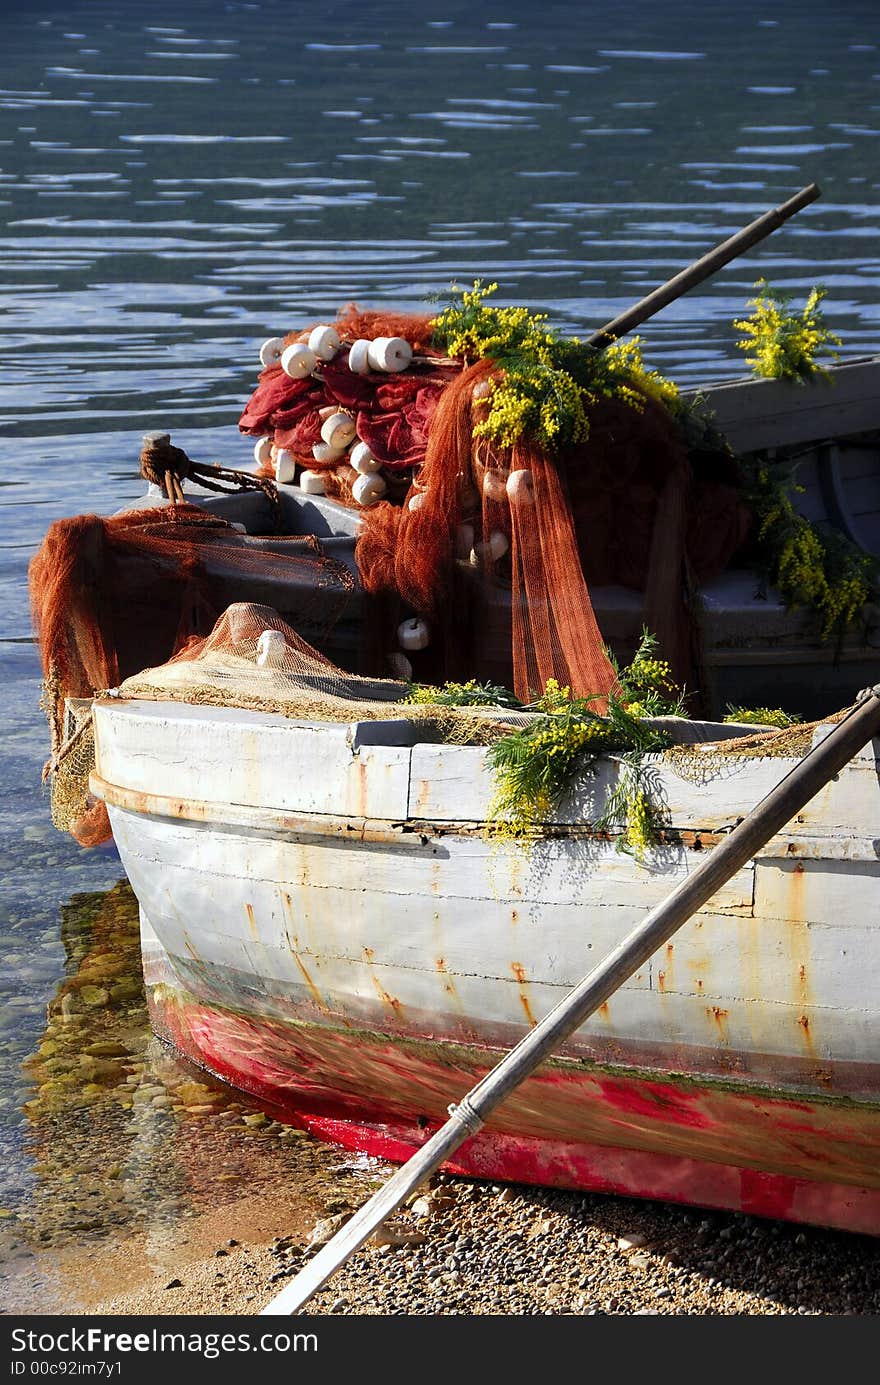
(111, 596)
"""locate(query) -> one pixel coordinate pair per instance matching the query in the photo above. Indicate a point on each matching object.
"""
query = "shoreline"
(466, 1248)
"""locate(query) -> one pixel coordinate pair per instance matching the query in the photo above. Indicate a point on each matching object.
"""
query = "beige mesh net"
(253, 659)
(74, 809)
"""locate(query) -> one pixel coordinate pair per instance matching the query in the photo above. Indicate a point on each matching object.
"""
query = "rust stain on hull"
(666, 974)
(292, 943)
(464, 1024)
(360, 788)
(252, 922)
(522, 981)
(448, 984)
(313, 990)
(391, 1001)
(720, 1018)
(290, 922)
(800, 946)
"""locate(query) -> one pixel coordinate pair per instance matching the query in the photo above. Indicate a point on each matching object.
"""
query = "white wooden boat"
(326, 925)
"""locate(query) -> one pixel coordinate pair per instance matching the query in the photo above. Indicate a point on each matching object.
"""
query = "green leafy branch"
(811, 565)
(760, 716)
(469, 694)
(534, 765)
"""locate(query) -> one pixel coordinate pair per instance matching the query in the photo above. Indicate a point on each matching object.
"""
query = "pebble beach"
(460, 1248)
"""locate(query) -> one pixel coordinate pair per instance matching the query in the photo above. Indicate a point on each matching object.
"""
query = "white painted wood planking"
(750, 969)
(252, 758)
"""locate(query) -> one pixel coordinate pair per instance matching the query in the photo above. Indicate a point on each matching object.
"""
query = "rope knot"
(167, 467)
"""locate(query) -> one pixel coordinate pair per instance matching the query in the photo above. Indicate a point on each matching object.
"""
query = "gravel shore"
(468, 1248)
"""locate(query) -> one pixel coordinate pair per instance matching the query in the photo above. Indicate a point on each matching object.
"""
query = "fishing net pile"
(499, 472)
(253, 659)
(112, 595)
(481, 540)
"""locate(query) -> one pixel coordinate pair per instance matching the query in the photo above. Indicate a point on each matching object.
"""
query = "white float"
(367, 490)
(271, 351)
(324, 341)
(363, 460)
(338, 430)
(414, 633)
(285, 466)
(359, 357)
(520, 488)
(326, 452)
(390, 354)
(311, 482)
(495, 485)
(493, 550)
(298, 360)
(263, 451)
(271, 649)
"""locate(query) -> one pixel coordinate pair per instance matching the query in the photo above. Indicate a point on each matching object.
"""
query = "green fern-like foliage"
(534, 765)
(812, 565)
(784, 344)
(469, 694)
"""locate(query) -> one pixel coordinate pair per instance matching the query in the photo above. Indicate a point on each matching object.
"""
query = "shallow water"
(176, 190)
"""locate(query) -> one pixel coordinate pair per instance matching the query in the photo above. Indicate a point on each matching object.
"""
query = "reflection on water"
(124, 1138)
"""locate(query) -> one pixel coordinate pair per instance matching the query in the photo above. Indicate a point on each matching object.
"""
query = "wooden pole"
(788, 797)
(701, 269)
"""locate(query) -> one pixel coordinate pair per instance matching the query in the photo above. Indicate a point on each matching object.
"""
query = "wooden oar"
(762, 823)
(701, 269)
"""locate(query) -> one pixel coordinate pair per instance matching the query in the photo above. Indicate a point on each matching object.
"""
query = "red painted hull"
(699, 1142)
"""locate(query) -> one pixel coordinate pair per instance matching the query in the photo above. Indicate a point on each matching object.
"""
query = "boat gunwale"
(419, 833)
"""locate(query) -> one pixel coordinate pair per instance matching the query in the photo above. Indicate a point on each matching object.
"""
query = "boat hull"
(572, 1125)
(329, 929)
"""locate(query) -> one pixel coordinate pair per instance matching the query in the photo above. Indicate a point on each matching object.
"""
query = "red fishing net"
(496, 549)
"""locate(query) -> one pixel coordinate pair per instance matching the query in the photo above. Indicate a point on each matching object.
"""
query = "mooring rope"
(167, 467)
